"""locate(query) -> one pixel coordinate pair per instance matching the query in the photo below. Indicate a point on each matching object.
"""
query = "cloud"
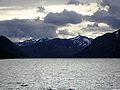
(78, 2)
(18, 2)
(94, 25)
(41, 9)
(74, 2)
(114, 6)
(65, 32)
(25, 3)
(27, 28)
(112, 15)
(102, 16)
(85, 28)
(94, 30)
(109, 13)
(64, 17)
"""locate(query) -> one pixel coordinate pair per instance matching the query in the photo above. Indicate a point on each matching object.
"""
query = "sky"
(22, 9)
(58, 18)
(31, 3)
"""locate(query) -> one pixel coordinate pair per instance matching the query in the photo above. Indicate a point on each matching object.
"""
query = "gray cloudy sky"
(33, 2)
(60, 19)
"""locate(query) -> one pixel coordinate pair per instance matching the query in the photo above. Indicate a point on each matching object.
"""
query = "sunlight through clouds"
(90, 31)
(30, 13)
(70, 19)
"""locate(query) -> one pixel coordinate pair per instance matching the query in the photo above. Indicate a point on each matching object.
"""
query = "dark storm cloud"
(114, 6)
(75, 2)
(110, 17)
(78, 2)
(102, 16)
(64, 17)
(27, 28)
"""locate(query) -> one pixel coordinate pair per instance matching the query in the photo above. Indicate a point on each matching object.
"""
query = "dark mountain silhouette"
(106, 46)
(54, 48)
(9, 49)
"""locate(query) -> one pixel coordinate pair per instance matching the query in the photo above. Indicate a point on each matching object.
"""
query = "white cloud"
(81, 9)
(85, 28)
(8, 13)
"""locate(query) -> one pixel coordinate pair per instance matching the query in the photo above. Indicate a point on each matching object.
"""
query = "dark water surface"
(60, 74)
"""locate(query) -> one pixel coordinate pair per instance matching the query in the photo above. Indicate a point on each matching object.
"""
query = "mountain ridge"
(9, 49)
(56, 48)
(105, 46)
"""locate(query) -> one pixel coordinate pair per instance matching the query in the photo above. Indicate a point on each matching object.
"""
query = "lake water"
(60, 74)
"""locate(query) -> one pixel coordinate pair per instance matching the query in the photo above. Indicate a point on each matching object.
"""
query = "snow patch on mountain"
(78, 41)
(81, 40)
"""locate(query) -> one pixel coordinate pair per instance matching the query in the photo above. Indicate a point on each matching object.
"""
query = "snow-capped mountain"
(78, 40)
(44, 48)
(31, 42)
(105, 46)
(81, 40)
(54, 47)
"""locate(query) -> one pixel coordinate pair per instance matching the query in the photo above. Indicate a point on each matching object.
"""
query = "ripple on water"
(59, 74)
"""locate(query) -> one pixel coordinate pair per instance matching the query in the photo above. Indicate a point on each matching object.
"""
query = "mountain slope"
(55, 48)
(106, 46)
(43, 48)
(9, 49)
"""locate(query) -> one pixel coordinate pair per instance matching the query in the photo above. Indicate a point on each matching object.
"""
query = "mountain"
(31, 42)
(9, 49)
(54, 48)
(81, 40)
(106, 46)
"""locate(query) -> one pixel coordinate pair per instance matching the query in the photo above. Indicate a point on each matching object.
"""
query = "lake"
(60, 74)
